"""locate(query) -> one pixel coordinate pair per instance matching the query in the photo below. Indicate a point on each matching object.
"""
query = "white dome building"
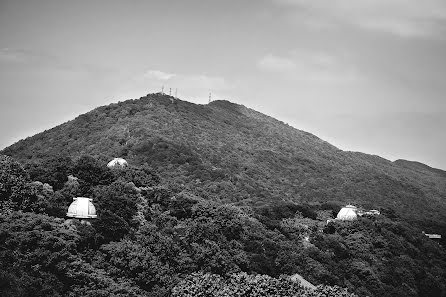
(82, 208)
(347, 213)
(117, 162)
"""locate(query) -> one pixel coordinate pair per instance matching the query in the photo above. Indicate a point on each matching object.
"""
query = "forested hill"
(230, 153)
(420, 167)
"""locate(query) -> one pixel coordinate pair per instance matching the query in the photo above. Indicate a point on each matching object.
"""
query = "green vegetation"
(219, 200)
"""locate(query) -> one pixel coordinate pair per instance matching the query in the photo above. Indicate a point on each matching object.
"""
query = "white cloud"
(407, 18)
(158, 75)
(192, 87)
(276, 64)
(12, 55)
(311, 67)
(200, 82)
(185, 81)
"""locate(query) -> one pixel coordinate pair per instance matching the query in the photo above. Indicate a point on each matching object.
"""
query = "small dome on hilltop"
(117, 162)
(347, 213)
(82, 208)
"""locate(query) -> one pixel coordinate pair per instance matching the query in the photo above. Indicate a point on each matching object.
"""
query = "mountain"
(230, 153)
(217, 199)
(419, 167)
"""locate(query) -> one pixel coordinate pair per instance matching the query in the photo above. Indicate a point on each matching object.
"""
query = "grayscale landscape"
(222, 148)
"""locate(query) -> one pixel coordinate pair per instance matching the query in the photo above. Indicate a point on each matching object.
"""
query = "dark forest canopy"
(161, 240)
(227, 152)
(214, 193)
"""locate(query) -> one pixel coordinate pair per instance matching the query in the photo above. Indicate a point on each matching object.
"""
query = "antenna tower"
(176, 92)
(162, 89)
(210, 97)
(170, 91)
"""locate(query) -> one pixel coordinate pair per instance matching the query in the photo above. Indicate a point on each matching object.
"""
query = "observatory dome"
(117, 162)
(82, 208)
(347, 213)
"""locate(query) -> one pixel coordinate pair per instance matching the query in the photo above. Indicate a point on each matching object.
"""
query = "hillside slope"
(420, 167)
(231, 153)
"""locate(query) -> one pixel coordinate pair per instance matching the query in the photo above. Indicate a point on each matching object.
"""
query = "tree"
(35, 253)
(242, 284)
(116, 207)
(141, 176)
(54, 171)
(16, 193)
(89, 170)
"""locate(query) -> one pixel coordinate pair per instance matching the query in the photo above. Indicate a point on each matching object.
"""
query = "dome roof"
(117, 162)
(347, 213)
(82, 208)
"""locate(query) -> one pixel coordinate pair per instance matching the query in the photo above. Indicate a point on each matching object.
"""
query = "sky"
(364, 75)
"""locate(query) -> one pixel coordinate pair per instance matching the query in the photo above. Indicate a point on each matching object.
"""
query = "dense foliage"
(227, 152)
(241, 284)
(154, 238)
(219, 200)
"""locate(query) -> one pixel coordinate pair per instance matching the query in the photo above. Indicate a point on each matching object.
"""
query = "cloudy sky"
(365, 75)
